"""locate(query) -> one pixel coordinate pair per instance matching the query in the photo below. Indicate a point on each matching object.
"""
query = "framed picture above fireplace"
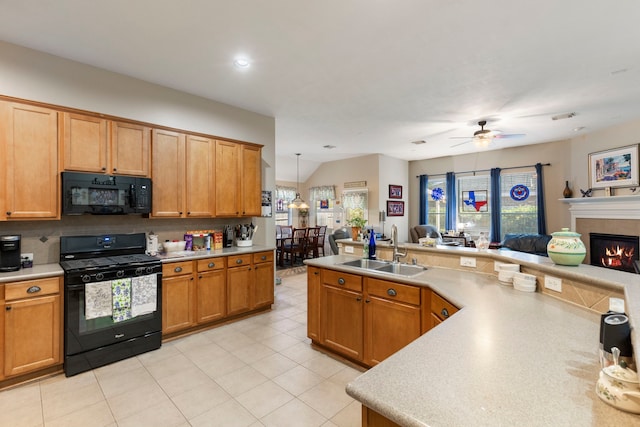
(617, 167)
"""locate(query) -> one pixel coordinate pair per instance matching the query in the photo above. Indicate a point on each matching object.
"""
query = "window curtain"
(325, 192)
(424, 199)
(285, 193)
(451, 218)
(542, 216)
(495, 232)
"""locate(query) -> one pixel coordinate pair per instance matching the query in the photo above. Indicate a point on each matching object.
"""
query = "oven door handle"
(72, 288)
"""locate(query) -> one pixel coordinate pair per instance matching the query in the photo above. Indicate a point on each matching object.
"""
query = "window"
(437, 203)
(355, 204)
(519, 201)
(474, 212)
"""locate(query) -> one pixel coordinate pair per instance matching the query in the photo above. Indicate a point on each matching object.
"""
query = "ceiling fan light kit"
(483, 137)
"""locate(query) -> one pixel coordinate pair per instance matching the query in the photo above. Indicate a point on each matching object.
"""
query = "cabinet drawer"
(211, 264)
(441, 307)
(393, 291)
(238, 260)
(177, 268)
(32, 288)
(342, 280)
(263, 257)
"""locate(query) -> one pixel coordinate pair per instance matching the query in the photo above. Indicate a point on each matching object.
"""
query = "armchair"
(420, 231)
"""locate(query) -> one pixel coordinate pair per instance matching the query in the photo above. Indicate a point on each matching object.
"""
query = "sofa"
(530, 243)
(420, 231)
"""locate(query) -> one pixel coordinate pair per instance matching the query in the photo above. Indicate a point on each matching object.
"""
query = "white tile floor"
(259, 371)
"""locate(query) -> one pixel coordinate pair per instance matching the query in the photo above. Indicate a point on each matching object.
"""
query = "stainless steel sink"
(386, 267)
(370, 264)
(402, 269)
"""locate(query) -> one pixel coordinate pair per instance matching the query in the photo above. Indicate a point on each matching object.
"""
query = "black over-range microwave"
(98, 194)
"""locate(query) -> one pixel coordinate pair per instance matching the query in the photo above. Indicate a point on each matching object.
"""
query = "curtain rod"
(486, 170)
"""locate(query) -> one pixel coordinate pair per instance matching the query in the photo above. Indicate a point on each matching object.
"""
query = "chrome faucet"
(394, 240)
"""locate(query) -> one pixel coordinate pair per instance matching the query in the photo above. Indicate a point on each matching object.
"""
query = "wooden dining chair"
(320, 243)
(295, 245)
(311, 248)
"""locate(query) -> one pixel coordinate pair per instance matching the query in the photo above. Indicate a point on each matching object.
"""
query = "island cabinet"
(441, 310)
(178, 297)
(28, 162)
(93, 144)
(32, 325)
(211, 289)
(238, 179)
(367, 319)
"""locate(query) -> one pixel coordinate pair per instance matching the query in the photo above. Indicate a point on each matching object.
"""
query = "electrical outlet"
(616, 304)
(348, 249)
(496, 265)
(26, 257)
(553, 283)
(467, 261)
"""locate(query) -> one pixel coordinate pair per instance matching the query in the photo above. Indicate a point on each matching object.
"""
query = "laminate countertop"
(506, 358)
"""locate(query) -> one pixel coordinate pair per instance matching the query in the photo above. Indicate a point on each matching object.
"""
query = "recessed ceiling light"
(578, 129)
(241, 62)
(563, 116)
(329, 147)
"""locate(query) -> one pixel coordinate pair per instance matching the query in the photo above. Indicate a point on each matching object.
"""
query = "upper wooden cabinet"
(238, 179)
(29, 163)
(92, 144)
(182, 175)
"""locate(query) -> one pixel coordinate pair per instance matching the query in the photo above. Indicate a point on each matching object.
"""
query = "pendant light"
(298, 203)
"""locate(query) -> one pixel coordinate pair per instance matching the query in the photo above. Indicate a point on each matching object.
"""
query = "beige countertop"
(40, 271)
(506, 358)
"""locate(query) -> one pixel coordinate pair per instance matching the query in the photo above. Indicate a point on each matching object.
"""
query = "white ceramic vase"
(566, 248)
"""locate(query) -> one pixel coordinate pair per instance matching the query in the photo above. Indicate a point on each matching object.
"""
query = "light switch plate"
(467, 261)
(348, 249)
(553, 283)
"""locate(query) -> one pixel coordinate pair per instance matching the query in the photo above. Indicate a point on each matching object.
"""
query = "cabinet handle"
(8, 213)
(359, 299)
(445, 313)
(8, 308)
(391, 292)
(115, 169)
(212, 264)
(263, 257)
(199, 277)
(177, 269)
(367, 301)
(104, 168)
(341, 281)
(188, 212)
(239, 261)
(316, 273)
(34, 289)
(180, 212)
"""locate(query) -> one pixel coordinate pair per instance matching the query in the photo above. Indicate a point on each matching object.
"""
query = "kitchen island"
(506, 358)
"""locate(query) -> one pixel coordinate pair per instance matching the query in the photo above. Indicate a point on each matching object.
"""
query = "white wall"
(32, 75)
(395, 172)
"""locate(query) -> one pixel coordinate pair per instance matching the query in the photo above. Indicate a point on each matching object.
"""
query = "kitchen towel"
(97, 300)
(144, 294)
(121, 297)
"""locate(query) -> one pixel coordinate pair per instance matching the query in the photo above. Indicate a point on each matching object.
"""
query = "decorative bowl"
(566, 248)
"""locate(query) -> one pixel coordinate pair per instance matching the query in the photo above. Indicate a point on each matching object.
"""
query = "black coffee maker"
(9, 253)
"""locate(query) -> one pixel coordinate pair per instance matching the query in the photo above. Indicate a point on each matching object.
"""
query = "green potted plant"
(356, 223)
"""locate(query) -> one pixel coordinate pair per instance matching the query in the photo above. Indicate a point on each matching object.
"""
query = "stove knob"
(99, 276)
(149, 270)
(120, 273)
(86, 278)
(139, 270)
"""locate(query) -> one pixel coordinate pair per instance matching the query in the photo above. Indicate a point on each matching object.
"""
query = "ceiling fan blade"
(461, 143)
(509, 135)
(460, 137)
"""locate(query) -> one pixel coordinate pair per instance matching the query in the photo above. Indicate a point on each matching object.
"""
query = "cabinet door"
(389, 326)
(30, 137)
(200, 176)
(314, 287)
(342, 321)
(227, 179)
(251, 173)
(263, 284)
(239, 284)
(167, 173)
(178, 296)
(84, 141)
(211, 290)
(129, 149)
(32, 334)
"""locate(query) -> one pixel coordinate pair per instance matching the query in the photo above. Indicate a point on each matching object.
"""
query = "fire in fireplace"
(614, 251)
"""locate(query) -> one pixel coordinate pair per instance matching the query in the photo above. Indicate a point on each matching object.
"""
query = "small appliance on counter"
(10, 253)
(244, 234)
(227, 236)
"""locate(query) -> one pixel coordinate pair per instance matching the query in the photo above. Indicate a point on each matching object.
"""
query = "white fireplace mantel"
(614, 207)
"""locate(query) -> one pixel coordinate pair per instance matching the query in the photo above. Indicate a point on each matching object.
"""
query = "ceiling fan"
(484, 136)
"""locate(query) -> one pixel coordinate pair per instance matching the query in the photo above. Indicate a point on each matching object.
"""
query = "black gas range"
(113, 299)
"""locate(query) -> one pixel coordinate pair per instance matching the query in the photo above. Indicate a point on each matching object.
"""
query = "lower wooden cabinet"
(239, 277)
(263, 281)
(32, 326)
(178, 297)
(211, 287)
(371, 418)
(367, 319)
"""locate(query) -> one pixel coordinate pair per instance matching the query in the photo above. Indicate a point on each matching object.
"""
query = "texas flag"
(471, 201)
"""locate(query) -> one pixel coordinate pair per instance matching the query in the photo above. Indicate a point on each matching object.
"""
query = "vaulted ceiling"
(366, 76)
